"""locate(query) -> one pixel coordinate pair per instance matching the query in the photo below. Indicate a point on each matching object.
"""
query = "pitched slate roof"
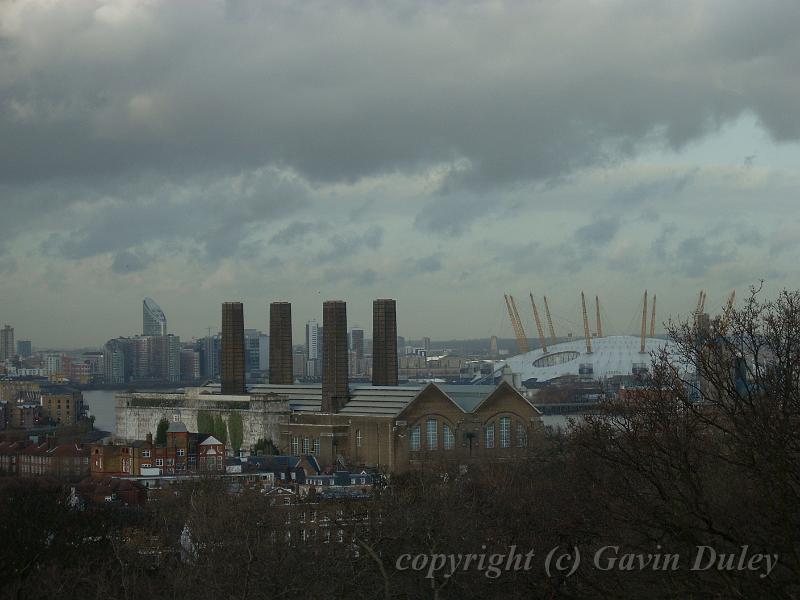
(379, 401)
(177, 427)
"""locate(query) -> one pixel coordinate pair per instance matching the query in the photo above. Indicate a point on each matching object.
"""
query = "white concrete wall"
(265, 417)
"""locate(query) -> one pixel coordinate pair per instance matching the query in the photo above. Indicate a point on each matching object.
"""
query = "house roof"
(177, 427)
(68, 450)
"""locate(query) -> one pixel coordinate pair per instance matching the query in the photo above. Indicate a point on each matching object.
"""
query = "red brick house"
(64, 461)
(184, 452)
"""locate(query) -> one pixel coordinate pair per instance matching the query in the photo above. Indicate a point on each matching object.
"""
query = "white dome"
(611, 355)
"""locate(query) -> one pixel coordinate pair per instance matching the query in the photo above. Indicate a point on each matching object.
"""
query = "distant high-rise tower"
(426, 345)
(335, 386)
(6, 342)
(232, 360)
(117, 360)
(211, 351)
(254, 345)
(356, 351)
(384, 342)
(493, 350)
(313, 335)
(357, 342)
(153, 320)
(24, 348)
(280, 343)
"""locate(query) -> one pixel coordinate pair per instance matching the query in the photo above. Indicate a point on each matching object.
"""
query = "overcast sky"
(440, 153)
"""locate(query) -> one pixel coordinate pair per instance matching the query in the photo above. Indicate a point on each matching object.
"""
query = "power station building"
(394, 428)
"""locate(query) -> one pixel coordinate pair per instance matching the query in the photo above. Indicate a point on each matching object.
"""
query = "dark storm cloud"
(135, 129)
(182, 87)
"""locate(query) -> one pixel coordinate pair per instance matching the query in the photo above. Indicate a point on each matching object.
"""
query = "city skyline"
(651, 148)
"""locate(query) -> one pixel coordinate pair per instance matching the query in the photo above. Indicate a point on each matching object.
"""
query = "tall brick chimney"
(232, 364)
(280, 343)
(384, 342)
(335, 388)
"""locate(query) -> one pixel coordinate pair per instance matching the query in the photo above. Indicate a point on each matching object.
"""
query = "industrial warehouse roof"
(371, 400)
(611, 355)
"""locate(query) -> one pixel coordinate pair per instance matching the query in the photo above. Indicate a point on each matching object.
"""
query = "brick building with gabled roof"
(26, 458)
(183, 453)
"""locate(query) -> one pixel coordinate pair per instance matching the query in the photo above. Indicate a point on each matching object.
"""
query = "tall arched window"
(431, 430)
(449, 439)
(306, 445)
(295, 445)
(415, 438)
(505, 432)
(316, 447)
(358, 438)
(522, 435)
(488, 435)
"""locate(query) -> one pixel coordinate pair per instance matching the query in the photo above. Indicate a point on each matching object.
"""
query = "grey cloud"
(645, 191)
(355, 276)
(450, 214)
(366, 277)
(218, 215)
(659, 245)
(429, 264)
(130, 262)
(184, 87)
(784, 239)
(373, 237)
(344, 246)
(696, 255)
(599, 232)
(293, 233)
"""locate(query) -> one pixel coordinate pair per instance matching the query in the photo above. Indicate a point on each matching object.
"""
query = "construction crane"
(549, 321)
(726, 314)
(644, 322)
(538, 325)
(698, 311)
(653, 318)
(599, 324)
(516, 323)
(586, 333)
